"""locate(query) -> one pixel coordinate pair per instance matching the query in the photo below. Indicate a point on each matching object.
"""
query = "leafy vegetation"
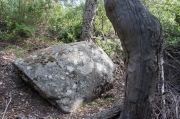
(102, 23)
(26, 18)
(65, 23)
(62, 21)
(111, 47)
(168, 12)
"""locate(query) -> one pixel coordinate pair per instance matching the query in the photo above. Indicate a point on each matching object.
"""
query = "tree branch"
(6, 107)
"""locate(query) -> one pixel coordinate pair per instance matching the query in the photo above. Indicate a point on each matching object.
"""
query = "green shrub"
(65, 23)
(112, 48)
(102, 23)
(168, 12)
(22, 16)
(24, 30)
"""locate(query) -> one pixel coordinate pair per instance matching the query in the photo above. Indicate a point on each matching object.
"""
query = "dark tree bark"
(141, 38)
(88, 19)
(110, 113)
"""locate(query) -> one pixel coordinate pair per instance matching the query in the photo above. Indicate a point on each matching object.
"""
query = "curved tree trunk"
(88, 19)
(141, 38)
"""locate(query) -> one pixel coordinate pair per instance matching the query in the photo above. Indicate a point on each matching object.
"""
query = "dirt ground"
(16, 97)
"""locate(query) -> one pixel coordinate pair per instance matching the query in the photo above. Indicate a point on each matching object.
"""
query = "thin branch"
(172, 57)
(163, 86)
(6, 107)
(174, 67)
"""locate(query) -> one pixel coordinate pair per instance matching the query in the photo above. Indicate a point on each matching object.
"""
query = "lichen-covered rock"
(66, 75)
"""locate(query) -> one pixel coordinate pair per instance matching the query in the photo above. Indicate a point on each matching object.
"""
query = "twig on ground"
(69, 116)
(6, 107)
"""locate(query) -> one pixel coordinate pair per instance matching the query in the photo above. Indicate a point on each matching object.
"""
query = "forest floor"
(16, 97)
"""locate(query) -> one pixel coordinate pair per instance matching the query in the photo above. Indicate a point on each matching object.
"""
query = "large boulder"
(68, 74)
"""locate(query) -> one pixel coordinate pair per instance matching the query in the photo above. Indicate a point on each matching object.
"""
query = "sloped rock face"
(66, 75)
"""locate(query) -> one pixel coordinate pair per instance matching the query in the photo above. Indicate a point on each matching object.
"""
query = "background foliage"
(62, 21)
(168, 12)
(102, 23)
(47, 19)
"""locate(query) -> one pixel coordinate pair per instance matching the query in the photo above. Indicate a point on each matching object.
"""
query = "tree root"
(108, 113)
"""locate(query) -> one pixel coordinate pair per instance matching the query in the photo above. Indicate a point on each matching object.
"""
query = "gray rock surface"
(68, 74)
